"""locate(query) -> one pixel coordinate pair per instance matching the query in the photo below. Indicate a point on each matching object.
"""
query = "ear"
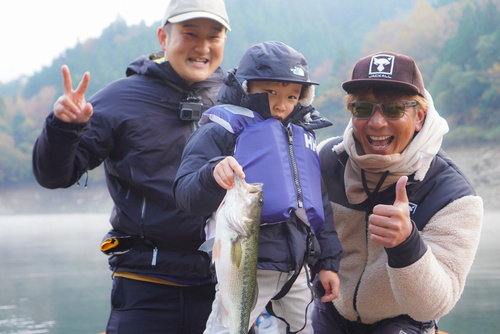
(420, 118)
(162, 38)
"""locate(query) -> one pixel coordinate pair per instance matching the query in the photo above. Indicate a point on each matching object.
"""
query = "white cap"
(183, 10)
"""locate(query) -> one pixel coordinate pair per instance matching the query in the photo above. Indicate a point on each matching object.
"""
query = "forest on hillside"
(456, 44)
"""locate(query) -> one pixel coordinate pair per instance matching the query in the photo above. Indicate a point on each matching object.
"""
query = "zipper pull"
(289, 132)
(155, 255)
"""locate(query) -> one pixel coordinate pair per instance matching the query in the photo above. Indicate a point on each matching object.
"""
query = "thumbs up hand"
(390, 225)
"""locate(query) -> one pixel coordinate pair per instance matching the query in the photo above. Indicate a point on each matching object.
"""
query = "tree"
(421, 36)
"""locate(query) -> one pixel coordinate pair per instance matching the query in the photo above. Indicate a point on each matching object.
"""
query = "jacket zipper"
(291, 153)
(362, 273)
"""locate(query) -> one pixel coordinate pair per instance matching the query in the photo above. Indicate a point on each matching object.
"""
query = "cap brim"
(354, 85)
(198, 15)
(283, 80)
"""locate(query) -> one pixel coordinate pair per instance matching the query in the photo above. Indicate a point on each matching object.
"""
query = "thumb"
(401, 196)
(88, 110)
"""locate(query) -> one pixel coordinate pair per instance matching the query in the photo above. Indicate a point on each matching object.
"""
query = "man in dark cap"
(408, 219)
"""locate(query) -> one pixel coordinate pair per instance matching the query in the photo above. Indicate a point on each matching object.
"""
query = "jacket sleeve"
(452, 238)
(195, 189)
(65, 151)
(54, 153)
(331, 250)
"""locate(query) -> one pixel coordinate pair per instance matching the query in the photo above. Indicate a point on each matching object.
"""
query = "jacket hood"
(154, 65)
(236, 93)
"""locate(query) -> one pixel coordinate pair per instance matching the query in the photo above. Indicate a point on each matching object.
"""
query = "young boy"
(262, 129)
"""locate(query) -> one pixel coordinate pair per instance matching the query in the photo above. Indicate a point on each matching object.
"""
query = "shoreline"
(478, 163)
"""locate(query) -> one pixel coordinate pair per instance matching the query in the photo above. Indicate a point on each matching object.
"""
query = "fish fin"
(236, 252)
(207, 246)
(255, 295)
(222, 315)
(216, 251)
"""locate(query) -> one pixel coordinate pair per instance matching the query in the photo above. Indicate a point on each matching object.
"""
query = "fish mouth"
(255, 187)
(252, 188)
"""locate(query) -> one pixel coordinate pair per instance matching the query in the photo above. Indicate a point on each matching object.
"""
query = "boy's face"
(283, 97)
(194, 48)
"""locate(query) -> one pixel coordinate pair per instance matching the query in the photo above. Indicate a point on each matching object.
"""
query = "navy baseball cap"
(273, 61)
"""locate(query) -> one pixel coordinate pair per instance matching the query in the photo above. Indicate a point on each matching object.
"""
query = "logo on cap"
(381, 66)
(298, 71)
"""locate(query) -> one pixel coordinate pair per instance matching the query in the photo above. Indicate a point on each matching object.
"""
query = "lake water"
(54, 279)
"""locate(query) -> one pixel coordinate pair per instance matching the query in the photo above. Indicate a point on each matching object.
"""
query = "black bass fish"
(235, 251)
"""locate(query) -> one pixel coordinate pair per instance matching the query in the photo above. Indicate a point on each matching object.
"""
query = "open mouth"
(380, 142)
(201, 61)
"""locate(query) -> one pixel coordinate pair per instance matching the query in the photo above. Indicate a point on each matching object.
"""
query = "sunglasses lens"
(362, 109)
(393, 110)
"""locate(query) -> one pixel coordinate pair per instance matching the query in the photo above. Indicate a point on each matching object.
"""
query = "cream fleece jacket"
(426, 290)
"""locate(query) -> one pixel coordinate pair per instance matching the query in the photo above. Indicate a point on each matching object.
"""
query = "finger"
(380, 240)
(328, 297)
(82, 86)
(88, 110)
(67, 85)
(381, 229)
(222, 183)
(222, 173)
(236, 167)
(331, 292)
(401, 196)
(64, 107)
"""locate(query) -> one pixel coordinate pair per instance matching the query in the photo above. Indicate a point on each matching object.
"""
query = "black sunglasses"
(390, 110)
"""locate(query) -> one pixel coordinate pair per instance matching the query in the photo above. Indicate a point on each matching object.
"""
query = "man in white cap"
(138, 126)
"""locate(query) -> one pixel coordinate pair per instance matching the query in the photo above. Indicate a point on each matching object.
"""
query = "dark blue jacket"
(282, 247)
(136, 131)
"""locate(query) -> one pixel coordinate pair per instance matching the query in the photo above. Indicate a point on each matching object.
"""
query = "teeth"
(379, 138)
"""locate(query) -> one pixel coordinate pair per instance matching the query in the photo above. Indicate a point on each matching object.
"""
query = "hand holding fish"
(71, 106)
(224, 172)
(331, 282)
(390, 225)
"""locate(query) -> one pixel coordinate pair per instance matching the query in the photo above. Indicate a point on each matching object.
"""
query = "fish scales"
(235, 253)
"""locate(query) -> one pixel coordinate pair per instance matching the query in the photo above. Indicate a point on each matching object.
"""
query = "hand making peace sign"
(71, 106)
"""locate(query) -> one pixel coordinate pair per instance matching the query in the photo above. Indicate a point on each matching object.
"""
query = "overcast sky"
(34, 32)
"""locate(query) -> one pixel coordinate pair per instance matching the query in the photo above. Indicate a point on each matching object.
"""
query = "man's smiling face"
(194, 48)
(379, 135)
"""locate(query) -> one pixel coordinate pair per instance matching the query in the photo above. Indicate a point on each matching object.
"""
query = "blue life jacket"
(284, 159)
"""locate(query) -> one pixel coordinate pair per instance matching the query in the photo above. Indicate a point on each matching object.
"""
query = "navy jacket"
(136, 131)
